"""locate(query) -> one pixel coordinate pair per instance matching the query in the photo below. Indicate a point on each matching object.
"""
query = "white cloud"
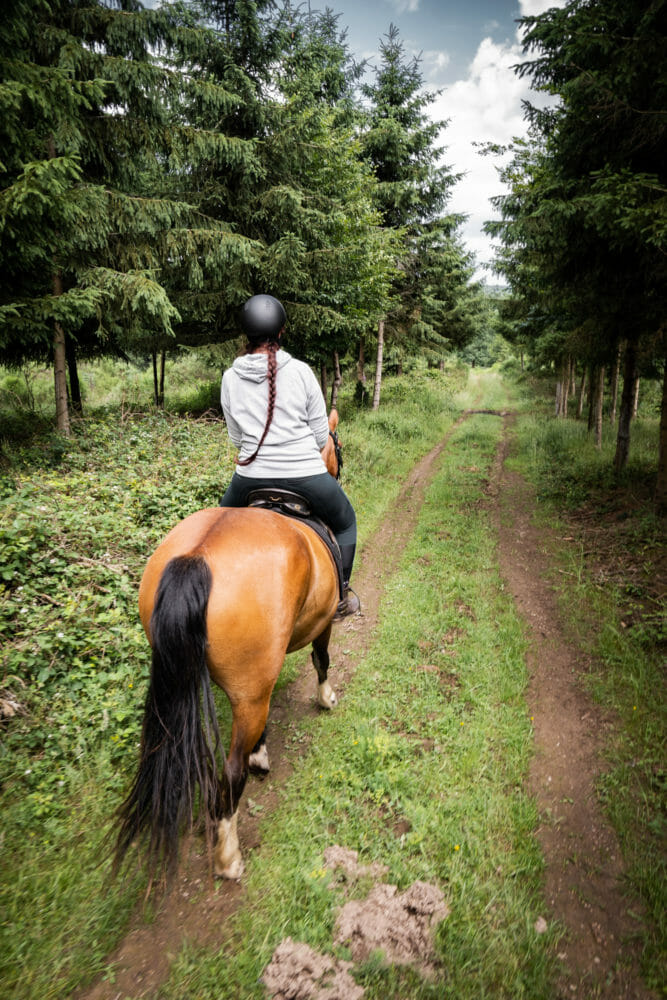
(484, 107)
(530, 8)
(404, 6)
(433, 63)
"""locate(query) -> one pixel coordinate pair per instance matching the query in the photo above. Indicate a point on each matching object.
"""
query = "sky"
(467, 50)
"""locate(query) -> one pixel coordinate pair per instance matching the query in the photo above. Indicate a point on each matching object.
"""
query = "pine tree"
(585, 222)
(400, 141)
(94, 245)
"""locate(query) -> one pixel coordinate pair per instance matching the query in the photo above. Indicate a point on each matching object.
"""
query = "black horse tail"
(180, 738)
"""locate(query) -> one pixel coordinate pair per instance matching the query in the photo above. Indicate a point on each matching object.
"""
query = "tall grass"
(422, 768)
(78, 518)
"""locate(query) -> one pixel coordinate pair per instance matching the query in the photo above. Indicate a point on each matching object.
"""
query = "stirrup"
(350, 605)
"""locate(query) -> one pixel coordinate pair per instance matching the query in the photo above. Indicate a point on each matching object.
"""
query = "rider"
(276, 415)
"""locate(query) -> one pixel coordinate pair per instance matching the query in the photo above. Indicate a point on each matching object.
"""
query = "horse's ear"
(333, 420)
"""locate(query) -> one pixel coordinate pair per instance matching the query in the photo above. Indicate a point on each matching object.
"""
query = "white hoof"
(260, 761)
(326, 696)
(227, 860)
(233, 871)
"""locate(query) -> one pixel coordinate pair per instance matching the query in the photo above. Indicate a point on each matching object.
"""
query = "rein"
(338, 452)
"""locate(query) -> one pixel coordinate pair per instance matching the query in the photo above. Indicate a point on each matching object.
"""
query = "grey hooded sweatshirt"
(299, 428)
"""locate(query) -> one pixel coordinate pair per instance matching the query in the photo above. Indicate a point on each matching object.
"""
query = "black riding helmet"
(262, 318)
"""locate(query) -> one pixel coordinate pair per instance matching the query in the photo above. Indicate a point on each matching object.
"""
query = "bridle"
(338, 452)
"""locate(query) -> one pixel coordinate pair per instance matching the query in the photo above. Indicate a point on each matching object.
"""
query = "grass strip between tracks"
(422, 768)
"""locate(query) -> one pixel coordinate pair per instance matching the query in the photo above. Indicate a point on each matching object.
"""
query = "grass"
(608, 544)
(78, 519)
(421, 767)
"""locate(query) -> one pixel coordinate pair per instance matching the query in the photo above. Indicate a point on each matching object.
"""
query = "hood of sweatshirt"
(254, 367)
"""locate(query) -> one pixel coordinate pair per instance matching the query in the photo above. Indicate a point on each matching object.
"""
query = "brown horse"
(225, 596)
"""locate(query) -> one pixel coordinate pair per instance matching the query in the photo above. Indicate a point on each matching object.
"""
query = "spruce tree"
(400, 141)
(95, 247)
(584, 223)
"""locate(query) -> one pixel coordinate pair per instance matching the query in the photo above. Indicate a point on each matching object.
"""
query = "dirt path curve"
(584, 872)
(195, 910)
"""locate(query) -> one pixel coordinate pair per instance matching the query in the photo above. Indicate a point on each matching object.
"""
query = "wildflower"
(457, 847)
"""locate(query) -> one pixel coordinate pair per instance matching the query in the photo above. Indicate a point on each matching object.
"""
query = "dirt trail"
(583, 866)
(584, 872)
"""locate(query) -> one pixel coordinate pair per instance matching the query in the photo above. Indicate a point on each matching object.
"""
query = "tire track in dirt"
(584, 871)
(195, 909)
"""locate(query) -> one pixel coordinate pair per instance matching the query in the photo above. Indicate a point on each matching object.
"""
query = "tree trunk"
(661, 484)
(635, 396)
(593, 383)
(378, 366)
(163, 356)
(558, 408)
(573, 377)
(614, 386)
(337, 379)
(60, 367)
(625, 414)
(360, 391)
(74, 384)
(156, 384)
(323, 379)
(567, 364)
(361, 362)
(582, 394)
(599, 401)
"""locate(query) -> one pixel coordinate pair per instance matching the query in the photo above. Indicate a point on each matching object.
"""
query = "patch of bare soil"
(584, 872)
(400, 925)
(196, 908)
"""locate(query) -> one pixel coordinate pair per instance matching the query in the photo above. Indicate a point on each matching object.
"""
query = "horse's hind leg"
(326, 696)
(259, 758)
(247, 728)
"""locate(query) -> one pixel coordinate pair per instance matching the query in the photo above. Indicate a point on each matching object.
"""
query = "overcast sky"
(467, 48)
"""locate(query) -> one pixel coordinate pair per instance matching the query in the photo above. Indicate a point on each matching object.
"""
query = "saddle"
(294, 505)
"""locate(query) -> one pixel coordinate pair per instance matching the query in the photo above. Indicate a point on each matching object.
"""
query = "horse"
(225, 596)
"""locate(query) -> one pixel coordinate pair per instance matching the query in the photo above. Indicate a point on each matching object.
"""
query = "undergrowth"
(78, 519)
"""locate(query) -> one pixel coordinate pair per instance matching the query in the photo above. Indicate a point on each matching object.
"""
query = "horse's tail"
(180, 737)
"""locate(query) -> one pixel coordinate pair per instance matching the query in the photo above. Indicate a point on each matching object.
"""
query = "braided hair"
(272, 370)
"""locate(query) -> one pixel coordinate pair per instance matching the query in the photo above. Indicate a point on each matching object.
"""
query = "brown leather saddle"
(294, 505)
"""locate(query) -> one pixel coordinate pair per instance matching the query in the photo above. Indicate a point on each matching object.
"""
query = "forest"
(161, 164)
(504, 444)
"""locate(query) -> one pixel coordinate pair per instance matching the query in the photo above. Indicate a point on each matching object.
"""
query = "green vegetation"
(423, 765)
(422, 768)
(161, 164)
(606, 573)
(584, 218)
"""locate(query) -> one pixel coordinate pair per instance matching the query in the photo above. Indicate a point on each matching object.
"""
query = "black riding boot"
(350, 603)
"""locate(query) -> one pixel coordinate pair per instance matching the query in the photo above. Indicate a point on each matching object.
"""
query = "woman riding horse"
(224, 597)
(276, 416)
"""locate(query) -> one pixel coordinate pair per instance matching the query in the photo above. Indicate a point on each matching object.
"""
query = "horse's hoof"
(232, 871)
(326, 696)
(259, 761)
